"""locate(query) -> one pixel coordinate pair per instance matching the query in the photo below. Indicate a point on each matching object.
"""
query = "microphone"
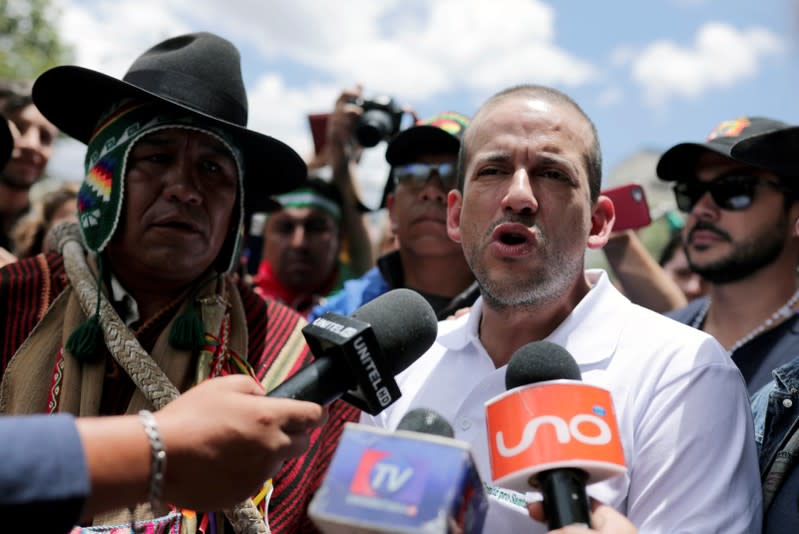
(426, 422)
(552, 432)
(417, 479)
(357, 357)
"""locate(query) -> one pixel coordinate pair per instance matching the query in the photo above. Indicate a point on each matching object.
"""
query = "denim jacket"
(775, 408)
(776, 417)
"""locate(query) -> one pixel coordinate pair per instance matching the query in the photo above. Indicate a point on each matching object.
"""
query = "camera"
(380, 120)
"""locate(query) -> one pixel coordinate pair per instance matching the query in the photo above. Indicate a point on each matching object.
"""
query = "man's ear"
(603, 216)
(454, 203)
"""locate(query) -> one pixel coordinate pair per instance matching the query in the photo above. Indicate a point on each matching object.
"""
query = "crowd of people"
(128, 296)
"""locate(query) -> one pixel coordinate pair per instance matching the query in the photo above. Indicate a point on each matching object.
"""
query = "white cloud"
(412, 49)
(720, 57)
(108, 35)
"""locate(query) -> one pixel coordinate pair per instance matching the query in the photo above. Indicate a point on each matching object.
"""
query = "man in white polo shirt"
(527, 206)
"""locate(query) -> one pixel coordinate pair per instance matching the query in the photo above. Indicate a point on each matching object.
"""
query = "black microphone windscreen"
(426, 421)
(540, 361)
(404, 324)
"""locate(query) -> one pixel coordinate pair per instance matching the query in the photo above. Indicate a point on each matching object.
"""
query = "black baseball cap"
(679, 162)
(777, 150)
(439, 134)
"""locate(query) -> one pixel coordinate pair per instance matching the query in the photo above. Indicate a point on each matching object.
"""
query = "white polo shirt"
(683, 411)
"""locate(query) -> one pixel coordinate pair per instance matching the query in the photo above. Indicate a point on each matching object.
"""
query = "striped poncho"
(28, 287)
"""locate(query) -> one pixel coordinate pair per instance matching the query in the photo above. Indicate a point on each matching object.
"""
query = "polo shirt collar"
(590, 333)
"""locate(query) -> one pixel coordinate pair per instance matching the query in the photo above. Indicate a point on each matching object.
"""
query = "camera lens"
(373, 126)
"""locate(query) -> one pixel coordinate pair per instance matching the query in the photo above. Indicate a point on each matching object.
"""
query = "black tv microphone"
(357, 357)
(565, 499)
(426, 421)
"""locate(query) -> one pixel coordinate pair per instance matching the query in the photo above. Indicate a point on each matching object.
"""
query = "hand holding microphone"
(552, 433)
(604, 520)
(357, 357)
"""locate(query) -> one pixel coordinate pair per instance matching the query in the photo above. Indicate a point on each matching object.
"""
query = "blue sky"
(649, 73)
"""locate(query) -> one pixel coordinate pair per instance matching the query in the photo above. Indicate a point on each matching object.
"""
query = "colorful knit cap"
(101, 194)
(101, 197)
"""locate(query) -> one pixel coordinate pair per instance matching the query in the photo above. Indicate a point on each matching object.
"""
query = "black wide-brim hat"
(6, 142)
(777, 150)
(198, 73)
(679, 162)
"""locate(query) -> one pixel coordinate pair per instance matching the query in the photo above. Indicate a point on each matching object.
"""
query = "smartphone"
(632, 211)
(318, 123)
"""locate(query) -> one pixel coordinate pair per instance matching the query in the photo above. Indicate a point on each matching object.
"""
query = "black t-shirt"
(390, 266)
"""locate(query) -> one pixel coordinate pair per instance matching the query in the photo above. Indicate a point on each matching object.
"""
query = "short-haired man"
(33, 146)
(150, 311)
(528, 204)
(740, 236)
(423, 160)
(302, 243)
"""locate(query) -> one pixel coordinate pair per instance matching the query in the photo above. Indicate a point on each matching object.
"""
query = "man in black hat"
(775, 405)
(741, 237)
(150, 310)
(423, 160)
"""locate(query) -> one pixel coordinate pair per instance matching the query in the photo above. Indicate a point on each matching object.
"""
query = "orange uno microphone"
(552, 432)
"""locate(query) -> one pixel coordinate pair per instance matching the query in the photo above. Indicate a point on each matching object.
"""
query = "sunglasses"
(417, 174)
(731, 192)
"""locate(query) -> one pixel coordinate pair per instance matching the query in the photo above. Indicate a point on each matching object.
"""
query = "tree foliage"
(29, 40)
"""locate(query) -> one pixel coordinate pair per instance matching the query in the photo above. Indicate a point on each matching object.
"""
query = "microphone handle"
(565, 500)
(322, 382)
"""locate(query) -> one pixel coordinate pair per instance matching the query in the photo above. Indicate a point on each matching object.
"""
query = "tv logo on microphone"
(386, 480)
(383, 481)
(550, 425)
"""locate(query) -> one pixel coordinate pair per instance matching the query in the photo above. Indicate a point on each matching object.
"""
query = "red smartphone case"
(632, 210)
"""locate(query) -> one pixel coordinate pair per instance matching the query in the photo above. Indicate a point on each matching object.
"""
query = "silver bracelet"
(158, 459)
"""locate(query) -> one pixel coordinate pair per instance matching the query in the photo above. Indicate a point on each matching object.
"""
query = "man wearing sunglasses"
(740, 236)
(775, 406)
(423, 160)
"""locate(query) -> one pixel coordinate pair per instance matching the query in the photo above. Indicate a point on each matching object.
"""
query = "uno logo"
(564, 432)
(549, 425)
